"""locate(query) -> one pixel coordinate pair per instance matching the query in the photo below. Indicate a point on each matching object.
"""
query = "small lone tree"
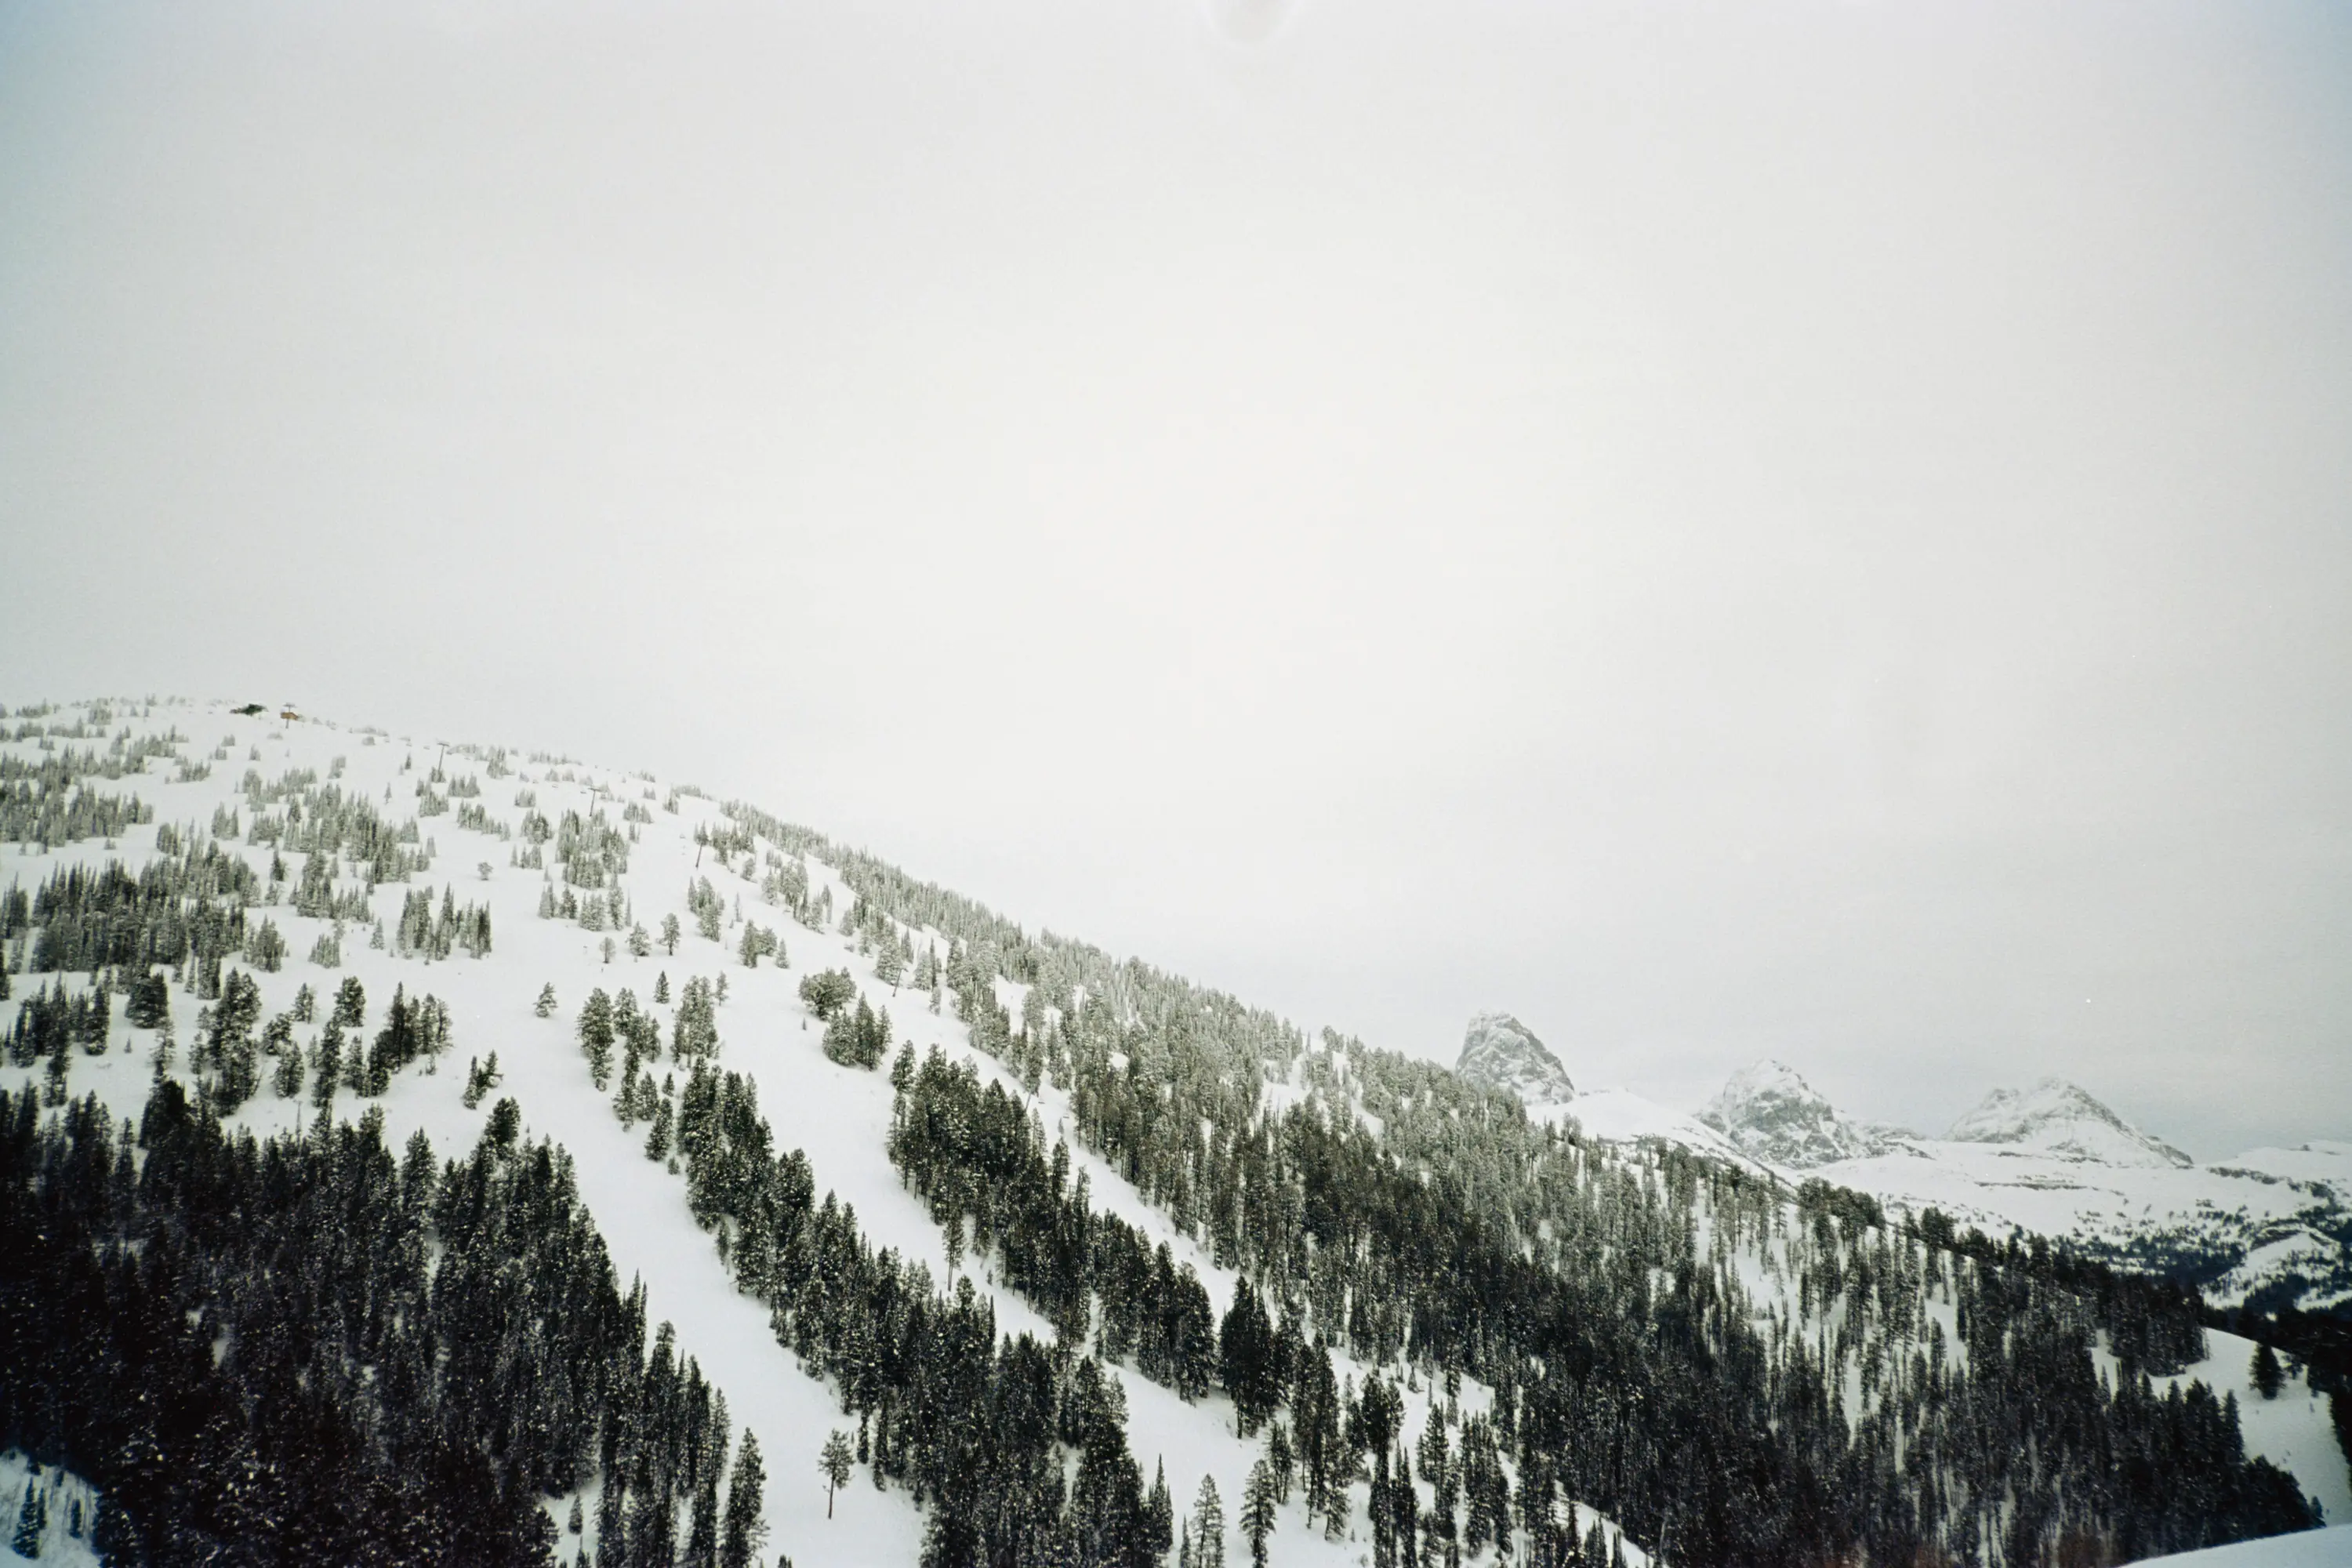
(351, 1002)
(2268, 1376)
(545, 1006)
(833, 1461)
(827, 992)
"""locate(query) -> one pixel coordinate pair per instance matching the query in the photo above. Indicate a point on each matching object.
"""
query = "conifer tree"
(149, 1007)
(287, 1080)
(1246, 1361)
(1258, 1497)
(1208, 1525)
(329, 1074)
(596, 1034)
(2267, 1375)
(1158, 1513)
(745, 1529)
(32, 1520)
(833, 1462)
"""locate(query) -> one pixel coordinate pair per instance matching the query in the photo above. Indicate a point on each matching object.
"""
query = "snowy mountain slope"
(1620, 1116)
(2056, 1118)
(2241, 1232)
(2292, 1429)
(486, 832)
(839, 1116)
(2269, 1226)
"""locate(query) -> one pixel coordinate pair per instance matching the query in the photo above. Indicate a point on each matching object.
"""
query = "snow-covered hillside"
(969, 1119)
(484, 823)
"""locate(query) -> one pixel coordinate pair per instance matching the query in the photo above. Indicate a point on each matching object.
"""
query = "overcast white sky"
(1818, 530)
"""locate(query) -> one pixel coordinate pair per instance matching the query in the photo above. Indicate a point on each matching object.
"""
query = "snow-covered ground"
(2050, 1160)
(2293, 1431)
(1621, 1116)
(2276, 1203)
(838, 1116)
(2329, 1548)
(64, 1509)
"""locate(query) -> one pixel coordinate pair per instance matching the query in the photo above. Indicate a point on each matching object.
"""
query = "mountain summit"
(1769, 1113)
(1500, 1052)
(2054, 1117)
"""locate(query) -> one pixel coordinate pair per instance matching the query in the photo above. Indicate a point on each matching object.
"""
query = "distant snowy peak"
(1500, 1052)
(2055, 1118)
(1771, 1114)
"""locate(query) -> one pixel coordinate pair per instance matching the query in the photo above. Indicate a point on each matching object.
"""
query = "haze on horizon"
(1807, 530)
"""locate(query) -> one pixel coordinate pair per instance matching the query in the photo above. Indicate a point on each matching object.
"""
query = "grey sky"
(1819, 530)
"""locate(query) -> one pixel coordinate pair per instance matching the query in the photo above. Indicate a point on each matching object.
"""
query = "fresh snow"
(837, 1116)
(2328, 1548)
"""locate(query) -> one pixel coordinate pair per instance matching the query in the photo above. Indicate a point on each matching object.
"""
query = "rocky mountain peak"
(1500, 1052)
(1769, 1113)
(2055, 1117)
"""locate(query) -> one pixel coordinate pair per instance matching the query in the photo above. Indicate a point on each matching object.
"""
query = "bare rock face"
(2056, 1118)
(1771, 1114)
(1500, 1052)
